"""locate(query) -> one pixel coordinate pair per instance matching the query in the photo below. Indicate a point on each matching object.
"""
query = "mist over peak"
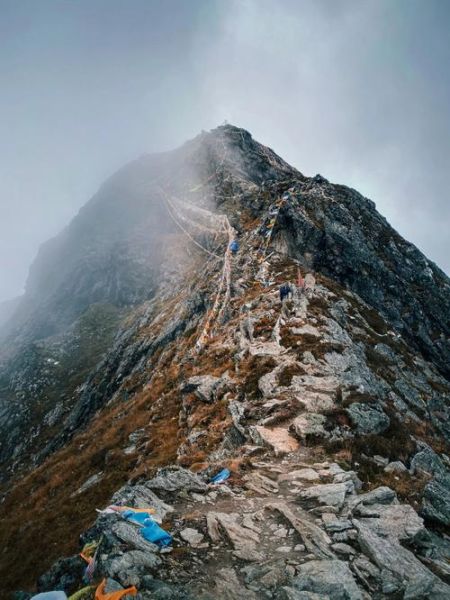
(88, 88)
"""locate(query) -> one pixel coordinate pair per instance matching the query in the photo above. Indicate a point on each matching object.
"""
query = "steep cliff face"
(143, 341)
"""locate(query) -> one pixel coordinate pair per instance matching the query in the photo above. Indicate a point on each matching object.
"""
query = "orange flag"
(101, 595)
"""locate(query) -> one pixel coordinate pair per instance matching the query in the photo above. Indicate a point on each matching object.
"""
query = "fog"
(358, 90)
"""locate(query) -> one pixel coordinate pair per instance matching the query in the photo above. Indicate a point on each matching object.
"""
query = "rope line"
(184, 230)
(219, 305)
(192, 223)
(224, 289)
(203, 212)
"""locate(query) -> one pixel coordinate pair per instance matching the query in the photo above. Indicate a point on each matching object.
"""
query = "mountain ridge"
(355, 366)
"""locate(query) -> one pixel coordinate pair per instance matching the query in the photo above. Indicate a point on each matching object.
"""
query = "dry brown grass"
(286, 375)
(408, 488)
(264, 326)
(251, 370)
(41, 521)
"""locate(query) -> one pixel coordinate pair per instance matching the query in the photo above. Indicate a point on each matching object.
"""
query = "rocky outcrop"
(367, 419)
(171, 479)
(328, 578)
(207, 387)
(436, 500)
(301, 556)
(350, 242)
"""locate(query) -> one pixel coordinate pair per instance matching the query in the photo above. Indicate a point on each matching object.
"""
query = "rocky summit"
(245, 372)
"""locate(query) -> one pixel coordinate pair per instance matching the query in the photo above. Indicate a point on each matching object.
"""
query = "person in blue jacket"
(234, 246)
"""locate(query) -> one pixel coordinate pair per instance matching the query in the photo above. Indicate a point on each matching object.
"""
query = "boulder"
(402, 572)
(245, 541)
(326, 384)
(140, 496)
(176, 479)
(277, 439)
(381, 537)
(381, 461)
(204, 387)
(306, 474)
(268, 383)
(266, 349)
(314, 538)
(427, 461)
(343, 549)
(228, 586)
(212, 524)
(347, 535)
(260, 481)
(368, 418)
(380, 495)
(434, 549)
(191, 536)
(128, 533)
(398, 521)
(331, 494)
(366, 571)
(328, 577)
(436, 500)
(309, 425)
(307, 330)
(333, 524)
(65, 574)
(348, 476)
(395, 467)
(130, 567)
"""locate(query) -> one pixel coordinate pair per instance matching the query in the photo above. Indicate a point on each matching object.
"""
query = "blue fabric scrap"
(152, 532)
(221, 476)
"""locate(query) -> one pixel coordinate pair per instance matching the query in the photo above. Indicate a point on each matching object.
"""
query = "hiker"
(234, 246)
(285, 292)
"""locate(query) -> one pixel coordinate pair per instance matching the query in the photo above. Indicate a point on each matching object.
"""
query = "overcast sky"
(358, 90)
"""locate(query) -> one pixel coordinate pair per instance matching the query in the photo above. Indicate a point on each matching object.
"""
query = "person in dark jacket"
(285, 292)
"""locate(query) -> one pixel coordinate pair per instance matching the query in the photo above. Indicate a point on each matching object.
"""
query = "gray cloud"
(356, 90)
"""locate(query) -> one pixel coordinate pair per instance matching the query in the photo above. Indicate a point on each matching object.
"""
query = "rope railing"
(223, 293)
(219, 306)
(171, 211)
(213, 219)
